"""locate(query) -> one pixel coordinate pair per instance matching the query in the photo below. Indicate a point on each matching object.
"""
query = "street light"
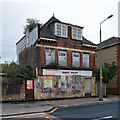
(101, 77)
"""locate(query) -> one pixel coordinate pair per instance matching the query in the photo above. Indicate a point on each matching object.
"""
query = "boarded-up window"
(85, 60)
(50, 56)
(47, 84)
(62, 83)
(76, 83)
(62, 58)
(76, 59)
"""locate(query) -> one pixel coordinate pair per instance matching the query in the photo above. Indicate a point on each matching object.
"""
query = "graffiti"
(61, 87)
(47, 89)
(38, 86)
(76, 83)
(62, 83)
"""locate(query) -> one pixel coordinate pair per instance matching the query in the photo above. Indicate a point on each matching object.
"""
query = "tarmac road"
(106, 111)
(103, 111)
(63, 106)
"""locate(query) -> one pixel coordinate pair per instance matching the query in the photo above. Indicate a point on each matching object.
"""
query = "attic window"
(58, 30)
(76, 33)
(61, 30)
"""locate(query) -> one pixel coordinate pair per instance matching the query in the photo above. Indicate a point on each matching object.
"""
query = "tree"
(109, 71)
(31, 24)
(17, 73)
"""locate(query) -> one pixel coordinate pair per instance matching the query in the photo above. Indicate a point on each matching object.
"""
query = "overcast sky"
(85, 13)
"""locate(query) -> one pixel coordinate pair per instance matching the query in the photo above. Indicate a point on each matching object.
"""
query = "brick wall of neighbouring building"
(109, 55)
(116, 88)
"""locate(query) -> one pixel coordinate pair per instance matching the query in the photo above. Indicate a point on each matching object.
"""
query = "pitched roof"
(109, 42)
(85, 41)
(46, 32)
(51, 20)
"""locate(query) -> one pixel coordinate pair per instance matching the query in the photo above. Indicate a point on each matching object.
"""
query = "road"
(106, 111)
(97, 111)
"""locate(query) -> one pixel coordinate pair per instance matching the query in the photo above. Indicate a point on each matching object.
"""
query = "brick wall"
(118, 62)
(113, 87)
(69, 58)
(66, 43)
(92, 60)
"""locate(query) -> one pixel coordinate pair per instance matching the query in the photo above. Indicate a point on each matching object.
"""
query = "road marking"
(18, 116)
(103, 118)
(53, 110)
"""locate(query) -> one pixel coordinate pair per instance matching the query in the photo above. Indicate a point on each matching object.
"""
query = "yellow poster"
(48, 84)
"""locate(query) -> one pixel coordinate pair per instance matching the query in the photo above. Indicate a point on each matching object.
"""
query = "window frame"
(63, 32)
(51, 60)
(75, 35)
(64, 64)
(74, 58)
(84, 62)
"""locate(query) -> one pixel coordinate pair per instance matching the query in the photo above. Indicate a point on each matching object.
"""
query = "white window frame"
(64, 62)
(63, 30)
(58, 31)
(86, 60)
(53, 57)
(74, 59)
(75, 33)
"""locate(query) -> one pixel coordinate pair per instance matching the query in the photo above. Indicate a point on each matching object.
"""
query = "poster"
(48, 83)
(29, 84)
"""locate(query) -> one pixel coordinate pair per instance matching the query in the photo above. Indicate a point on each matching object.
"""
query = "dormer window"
(61, 30)
(58, 29)
(76, 33)
(64, 31)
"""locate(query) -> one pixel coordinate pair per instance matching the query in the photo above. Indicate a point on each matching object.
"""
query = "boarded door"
(29, 90)
(88, 86)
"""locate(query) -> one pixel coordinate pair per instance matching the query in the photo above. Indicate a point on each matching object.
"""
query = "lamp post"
(101, 77)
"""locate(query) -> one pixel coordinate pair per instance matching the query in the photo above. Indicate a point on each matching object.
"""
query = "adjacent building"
(62, 58)
(111, 53)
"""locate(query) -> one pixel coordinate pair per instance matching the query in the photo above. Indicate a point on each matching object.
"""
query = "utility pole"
(101, 76)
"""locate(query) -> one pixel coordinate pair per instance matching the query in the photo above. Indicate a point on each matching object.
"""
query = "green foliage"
(31, 24)
(109, 71)
(17, 73)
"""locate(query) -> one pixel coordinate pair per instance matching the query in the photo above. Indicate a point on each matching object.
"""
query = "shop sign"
(67, 72)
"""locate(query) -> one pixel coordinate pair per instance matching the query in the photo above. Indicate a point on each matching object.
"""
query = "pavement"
(28, 107)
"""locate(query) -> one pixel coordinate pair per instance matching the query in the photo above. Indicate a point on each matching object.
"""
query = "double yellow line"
(53, 110)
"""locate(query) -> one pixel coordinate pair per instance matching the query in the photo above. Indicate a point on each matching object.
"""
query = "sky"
(86, 13)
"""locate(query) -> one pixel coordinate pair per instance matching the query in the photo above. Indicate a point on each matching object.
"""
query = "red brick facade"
(65, 43)
(49, 40)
